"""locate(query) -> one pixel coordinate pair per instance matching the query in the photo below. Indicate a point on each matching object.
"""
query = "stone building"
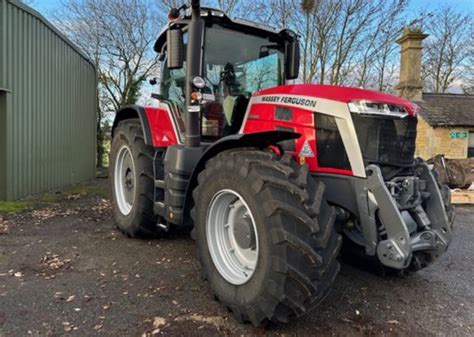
(446, 121)
(446, 126)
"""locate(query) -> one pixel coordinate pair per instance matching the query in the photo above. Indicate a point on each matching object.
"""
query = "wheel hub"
(129, 178)
(232, 237)
(124, 180)
(244, 234)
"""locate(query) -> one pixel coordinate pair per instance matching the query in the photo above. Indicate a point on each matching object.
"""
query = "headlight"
(377, 108)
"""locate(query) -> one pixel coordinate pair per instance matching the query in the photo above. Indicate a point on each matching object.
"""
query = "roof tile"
(447, 109)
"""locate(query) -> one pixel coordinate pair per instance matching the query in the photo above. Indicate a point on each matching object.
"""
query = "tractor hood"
(341, 94)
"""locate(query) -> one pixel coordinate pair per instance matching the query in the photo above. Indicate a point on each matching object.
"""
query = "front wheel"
(265, 235)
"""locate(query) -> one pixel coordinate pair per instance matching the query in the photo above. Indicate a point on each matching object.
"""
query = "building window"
(470, 146)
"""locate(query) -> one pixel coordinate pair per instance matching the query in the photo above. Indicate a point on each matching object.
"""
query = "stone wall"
(432, 141)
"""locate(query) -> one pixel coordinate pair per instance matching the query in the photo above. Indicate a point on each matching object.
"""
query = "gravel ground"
(64, 269)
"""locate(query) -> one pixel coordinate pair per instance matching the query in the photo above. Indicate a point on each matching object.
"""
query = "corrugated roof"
(447, 109)
(48, 24)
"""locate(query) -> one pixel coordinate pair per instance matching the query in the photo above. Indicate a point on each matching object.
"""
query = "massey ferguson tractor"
(271, 177)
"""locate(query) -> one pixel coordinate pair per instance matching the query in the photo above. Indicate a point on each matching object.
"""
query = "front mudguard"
(260, 140)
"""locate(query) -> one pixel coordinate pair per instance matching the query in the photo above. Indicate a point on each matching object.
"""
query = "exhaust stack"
(194, 68)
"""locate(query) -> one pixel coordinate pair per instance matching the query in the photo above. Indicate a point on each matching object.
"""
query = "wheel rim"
(124, 180)
(232, 237)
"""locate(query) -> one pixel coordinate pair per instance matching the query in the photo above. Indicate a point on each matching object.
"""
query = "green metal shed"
(47, 106)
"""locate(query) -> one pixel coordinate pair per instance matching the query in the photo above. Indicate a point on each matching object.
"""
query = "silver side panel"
(395, 251)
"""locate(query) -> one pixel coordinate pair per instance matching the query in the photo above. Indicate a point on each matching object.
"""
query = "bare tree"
(468, 86)
(279, 13)
(307, 7)
(228, 6)
(342, 39)
(235, 8)
(344, 42)
(241, 8)
(448, 48)
(314, 21)
(377, 61)
(117, 35)
(167, 4)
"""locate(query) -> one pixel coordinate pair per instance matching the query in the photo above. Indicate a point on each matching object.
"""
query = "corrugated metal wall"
(50, 113)
(3, 140)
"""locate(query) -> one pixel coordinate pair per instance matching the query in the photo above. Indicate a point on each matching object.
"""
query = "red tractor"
(272, 177)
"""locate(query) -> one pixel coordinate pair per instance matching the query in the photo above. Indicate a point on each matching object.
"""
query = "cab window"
(173, 82)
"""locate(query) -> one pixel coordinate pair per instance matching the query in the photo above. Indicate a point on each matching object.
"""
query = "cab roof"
(217, 16)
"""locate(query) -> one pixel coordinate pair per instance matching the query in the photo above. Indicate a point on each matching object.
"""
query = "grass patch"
(95, 188)
(8, 207)
(92, 190)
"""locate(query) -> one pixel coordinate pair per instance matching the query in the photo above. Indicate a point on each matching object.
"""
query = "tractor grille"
(386, 141)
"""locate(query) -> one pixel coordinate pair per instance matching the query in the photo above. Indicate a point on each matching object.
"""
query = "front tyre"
(265, 235)
(131, 178)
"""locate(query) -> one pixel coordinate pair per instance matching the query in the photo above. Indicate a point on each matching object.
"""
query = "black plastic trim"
(244, 26)
(259, 140)
(134, 111)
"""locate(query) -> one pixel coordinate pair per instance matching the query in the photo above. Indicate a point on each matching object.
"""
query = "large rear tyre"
(131, 179)
(265, 235)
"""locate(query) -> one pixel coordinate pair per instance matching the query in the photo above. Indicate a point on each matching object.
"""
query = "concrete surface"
(66, 270)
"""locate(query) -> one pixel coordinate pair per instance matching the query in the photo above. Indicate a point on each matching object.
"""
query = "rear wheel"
(131, 178)
(265, 235)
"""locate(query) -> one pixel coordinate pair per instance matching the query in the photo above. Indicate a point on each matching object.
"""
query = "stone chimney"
(410, 86)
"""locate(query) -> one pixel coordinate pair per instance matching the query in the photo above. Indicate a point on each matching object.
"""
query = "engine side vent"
(331, 150)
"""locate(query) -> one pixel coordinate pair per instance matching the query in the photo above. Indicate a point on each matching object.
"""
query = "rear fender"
(260, 140)
(160, 127)
(131, 112)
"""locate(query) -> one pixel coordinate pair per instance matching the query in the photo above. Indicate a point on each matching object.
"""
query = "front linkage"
(406, 222)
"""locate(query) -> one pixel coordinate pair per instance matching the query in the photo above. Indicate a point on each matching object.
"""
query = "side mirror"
(175, 48)
(292, 59)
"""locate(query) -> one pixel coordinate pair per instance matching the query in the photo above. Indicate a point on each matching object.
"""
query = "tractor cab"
(237, 59)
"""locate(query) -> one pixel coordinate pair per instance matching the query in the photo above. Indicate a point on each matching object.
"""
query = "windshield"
(237, 63)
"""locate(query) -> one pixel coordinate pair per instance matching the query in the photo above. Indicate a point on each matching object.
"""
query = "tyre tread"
(144, 222)
(308, 277)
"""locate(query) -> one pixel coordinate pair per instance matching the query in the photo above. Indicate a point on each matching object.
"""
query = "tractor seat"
(234, 110)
